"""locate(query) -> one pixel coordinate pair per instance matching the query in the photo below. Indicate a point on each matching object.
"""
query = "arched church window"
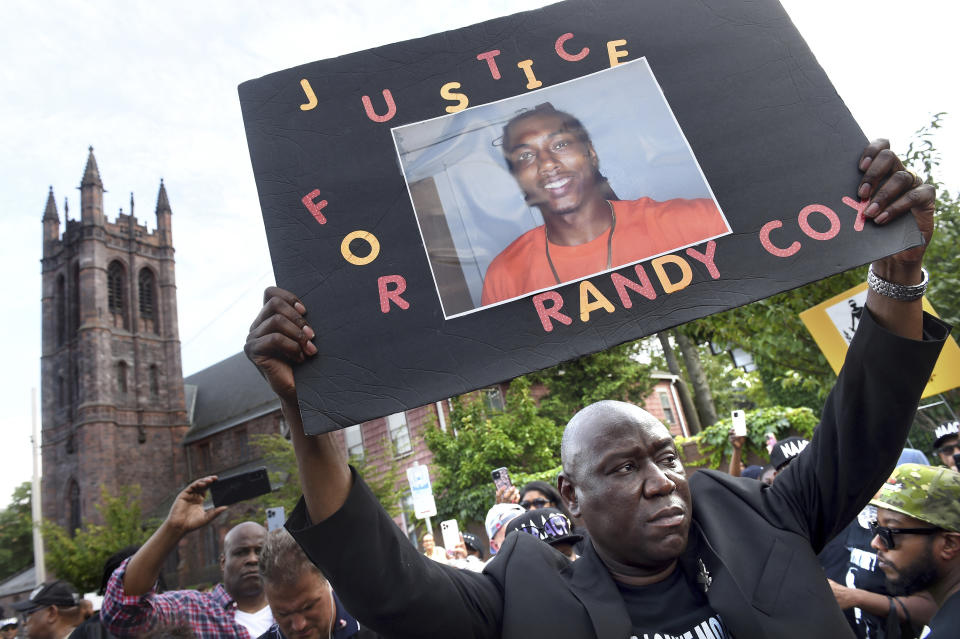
(74, 506)
(75, 300)
(61, 310)
(122, 377)
(147, 295)
(154, 381)
(116, 293)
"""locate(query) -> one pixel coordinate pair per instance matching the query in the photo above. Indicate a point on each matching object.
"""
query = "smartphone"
(501, 478)
(739, 423)
(235, 488)
(450, 533)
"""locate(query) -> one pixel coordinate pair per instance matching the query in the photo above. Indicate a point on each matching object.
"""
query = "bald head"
(584, 425)
(241, 559)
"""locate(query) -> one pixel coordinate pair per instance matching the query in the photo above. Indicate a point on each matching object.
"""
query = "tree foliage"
(79, 558)
(793, 370)
(520, 438)
(611, 374)
(714, 444)
(281, 462)
(16, 533)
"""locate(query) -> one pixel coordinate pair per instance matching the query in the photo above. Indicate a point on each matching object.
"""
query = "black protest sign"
(464, 208)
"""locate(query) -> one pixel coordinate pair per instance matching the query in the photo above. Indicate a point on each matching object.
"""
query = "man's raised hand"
(278, 338)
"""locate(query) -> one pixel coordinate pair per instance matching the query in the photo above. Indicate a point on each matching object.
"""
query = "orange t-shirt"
(644, 228)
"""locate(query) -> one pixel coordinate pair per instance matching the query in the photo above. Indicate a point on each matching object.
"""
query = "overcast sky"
(152, 86)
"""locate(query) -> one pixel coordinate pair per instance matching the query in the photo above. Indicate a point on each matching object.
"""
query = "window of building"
(154, 381)
(668, 417)
(61, 310)
(116, 294)
(146, 296)
(73, 507)
(353, 437)
(493, 399)
(122, 377)
(75, 300)
(206, 460)
(399, 433)
(241, 442)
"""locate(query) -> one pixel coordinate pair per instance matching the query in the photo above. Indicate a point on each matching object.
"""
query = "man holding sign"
(667, 556)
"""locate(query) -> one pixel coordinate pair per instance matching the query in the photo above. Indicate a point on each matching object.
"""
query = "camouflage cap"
(927, 493)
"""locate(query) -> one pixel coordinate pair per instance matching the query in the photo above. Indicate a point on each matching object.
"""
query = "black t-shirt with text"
(671, 609)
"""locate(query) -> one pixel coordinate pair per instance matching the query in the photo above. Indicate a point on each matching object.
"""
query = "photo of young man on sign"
(559, 184)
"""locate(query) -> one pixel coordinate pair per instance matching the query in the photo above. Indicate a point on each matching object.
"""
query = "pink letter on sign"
(569, 56)
(859, 207)
(391, 107)
(645, 288)
(489, 57)
(315, 207)
(388, 295)
(552, 312)
(767, 244)
(706, 258)
(827, 213)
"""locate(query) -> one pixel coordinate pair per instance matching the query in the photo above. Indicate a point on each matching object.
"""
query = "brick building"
(116, 409)
(112, 399)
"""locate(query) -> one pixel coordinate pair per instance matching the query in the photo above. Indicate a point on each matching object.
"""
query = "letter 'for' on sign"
(388, 294)
(352, 257)
(315, 208)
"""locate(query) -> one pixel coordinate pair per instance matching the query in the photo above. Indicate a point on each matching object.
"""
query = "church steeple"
(164, 213)
(51, 223)
(91, 193)
(50, 213)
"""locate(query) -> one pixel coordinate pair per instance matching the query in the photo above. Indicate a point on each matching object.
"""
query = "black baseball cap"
(786, 449)
(547, 524)
(56, 593)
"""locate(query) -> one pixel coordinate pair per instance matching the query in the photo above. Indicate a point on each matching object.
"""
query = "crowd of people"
(827, 540)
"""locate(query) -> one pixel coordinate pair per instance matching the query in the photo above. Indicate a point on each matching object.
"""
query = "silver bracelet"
(899, 292)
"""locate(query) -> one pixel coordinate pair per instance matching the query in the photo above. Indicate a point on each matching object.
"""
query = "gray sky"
(152, 86)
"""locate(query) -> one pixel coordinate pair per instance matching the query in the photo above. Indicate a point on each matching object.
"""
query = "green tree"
(520, 438)
(16, 533)
(793, 370)
(614, 373)
(79, 558)
(281, 462)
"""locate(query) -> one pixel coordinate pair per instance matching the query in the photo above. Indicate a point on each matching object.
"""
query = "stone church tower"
(112, 397)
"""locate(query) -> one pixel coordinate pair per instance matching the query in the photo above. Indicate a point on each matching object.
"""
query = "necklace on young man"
(613, 225)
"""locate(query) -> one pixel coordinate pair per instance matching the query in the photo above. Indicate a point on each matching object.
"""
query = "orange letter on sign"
(311, 96)
(447, 93)
(614, 54)
(388, 294)
(527, 67)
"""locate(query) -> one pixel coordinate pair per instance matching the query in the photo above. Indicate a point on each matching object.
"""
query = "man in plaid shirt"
(235, 608)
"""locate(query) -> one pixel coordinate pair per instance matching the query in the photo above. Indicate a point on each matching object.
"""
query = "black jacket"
(758, 544)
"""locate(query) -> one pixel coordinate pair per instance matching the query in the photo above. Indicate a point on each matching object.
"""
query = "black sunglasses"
(949, 449)
(539, 502)
(886, 534)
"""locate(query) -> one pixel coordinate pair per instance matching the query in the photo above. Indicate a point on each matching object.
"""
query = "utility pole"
(40, 568)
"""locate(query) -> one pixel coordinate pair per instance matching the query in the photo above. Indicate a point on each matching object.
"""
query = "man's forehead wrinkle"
(577, 437)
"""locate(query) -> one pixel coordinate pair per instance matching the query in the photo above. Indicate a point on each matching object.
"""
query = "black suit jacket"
(758, 545)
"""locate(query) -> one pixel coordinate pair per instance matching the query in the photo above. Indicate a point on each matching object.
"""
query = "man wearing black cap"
(946, 443)
(51, 612)
(548, 525)
(784, 452)
(667, 555)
